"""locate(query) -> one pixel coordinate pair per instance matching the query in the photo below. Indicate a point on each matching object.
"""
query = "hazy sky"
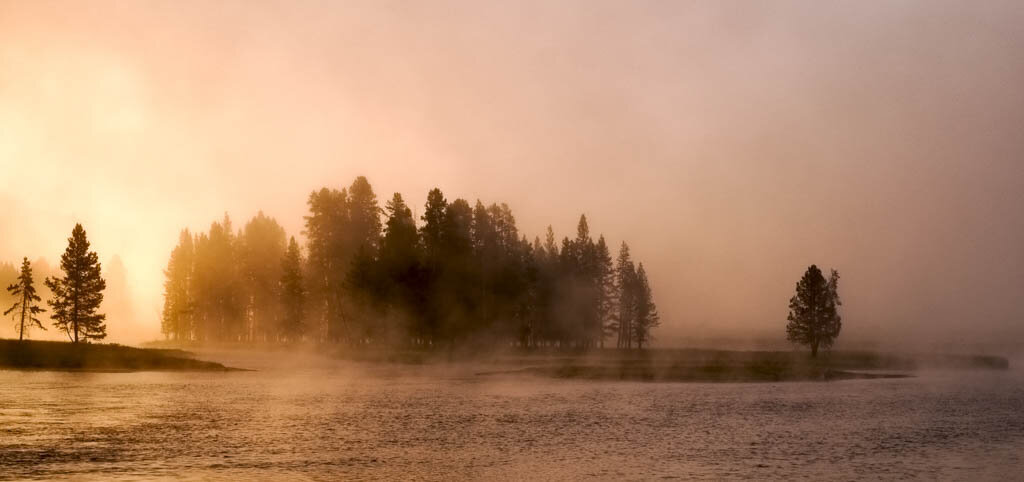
(731, 143)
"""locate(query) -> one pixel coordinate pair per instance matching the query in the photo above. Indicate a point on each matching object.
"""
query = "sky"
(732, 144)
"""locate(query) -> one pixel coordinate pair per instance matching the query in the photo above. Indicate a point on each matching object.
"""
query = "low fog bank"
(713, 364)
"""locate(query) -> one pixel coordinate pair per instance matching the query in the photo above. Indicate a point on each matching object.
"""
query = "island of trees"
(370, 276)
(461, 274)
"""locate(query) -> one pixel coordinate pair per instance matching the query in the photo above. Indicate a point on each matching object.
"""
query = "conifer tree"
(646, 313)
(607, 296)
(813, 316)
(433, 221)
(261, 245)
(327, 258)
(176, 318)
(625, 281)
(399, 261)
(293, 294)
(77, 295)
(26, 307)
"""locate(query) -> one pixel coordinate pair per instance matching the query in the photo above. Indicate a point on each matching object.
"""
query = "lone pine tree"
(813, 317)
(77, 295)
(25, 307)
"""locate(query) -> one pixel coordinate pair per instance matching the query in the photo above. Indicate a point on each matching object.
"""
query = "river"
(300, 417)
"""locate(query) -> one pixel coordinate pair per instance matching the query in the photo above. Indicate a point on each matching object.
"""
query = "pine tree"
(25, 309)
(293, 294)
(364, 213)
(646, 313)
(607, 296)
(176, 319)
(78, 294)
(625, 281)
(261, 246)
(328, 258)
(813, 317)
(433, 222)
(217, 285)
(400, 264)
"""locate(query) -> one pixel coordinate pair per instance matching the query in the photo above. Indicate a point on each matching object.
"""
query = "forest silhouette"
(463, 275)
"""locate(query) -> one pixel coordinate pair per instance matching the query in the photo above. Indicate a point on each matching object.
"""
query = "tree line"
(76, 294)
(461, 274)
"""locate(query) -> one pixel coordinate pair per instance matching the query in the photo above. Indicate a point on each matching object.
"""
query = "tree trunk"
(814, 350)
(21, 332)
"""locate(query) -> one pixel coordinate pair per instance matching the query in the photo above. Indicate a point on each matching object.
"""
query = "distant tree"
(400, 265)
(176, 317)
(25, 309)
(646, 313)
(77, 295)
(433, 224)
(814, 320)
(261, 245)
(432, 248)
(457, 295)
(328, 258)
(217, 285)
(8, 274)
(293, 294)
(607, 296)
(625, 282)
(364, 212)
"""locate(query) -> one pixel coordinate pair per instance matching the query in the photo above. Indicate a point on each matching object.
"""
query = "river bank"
(65, 356)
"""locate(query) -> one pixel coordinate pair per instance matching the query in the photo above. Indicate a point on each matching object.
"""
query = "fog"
(731, 143)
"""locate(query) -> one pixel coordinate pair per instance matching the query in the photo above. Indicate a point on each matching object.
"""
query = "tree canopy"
(814, 319)
(78, 293)
(463, 276)
(25, 308)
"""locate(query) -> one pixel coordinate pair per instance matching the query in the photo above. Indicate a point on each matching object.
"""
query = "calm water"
(320, 419)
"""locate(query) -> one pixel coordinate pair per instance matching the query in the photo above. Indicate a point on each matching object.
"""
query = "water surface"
(300, 417)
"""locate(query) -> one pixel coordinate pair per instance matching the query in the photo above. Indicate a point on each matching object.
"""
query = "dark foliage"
(465, 276)
(78, 293)
(814, 319)
(25, 309)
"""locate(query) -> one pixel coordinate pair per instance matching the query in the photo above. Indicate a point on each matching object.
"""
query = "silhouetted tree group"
(76, 294)
(461, 275)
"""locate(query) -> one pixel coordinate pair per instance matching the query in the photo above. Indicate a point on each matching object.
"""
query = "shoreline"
(664, 365)
(35, 355)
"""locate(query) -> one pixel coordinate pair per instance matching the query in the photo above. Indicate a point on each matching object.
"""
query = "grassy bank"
(52, 355)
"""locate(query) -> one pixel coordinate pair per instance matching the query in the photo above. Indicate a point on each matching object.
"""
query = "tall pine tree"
(625, 281)
(293, 294)
(26, 307)
(178, 305)
(813, 317)
(645, 311)
(77, 295)
(607, 297)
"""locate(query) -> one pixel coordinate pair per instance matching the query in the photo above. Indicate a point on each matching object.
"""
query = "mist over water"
(310, 417)
(732, 144)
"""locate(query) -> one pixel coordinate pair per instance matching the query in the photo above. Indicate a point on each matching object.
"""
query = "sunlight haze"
(731, 143)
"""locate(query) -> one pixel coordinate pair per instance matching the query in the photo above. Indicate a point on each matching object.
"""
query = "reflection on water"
(321, 419)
